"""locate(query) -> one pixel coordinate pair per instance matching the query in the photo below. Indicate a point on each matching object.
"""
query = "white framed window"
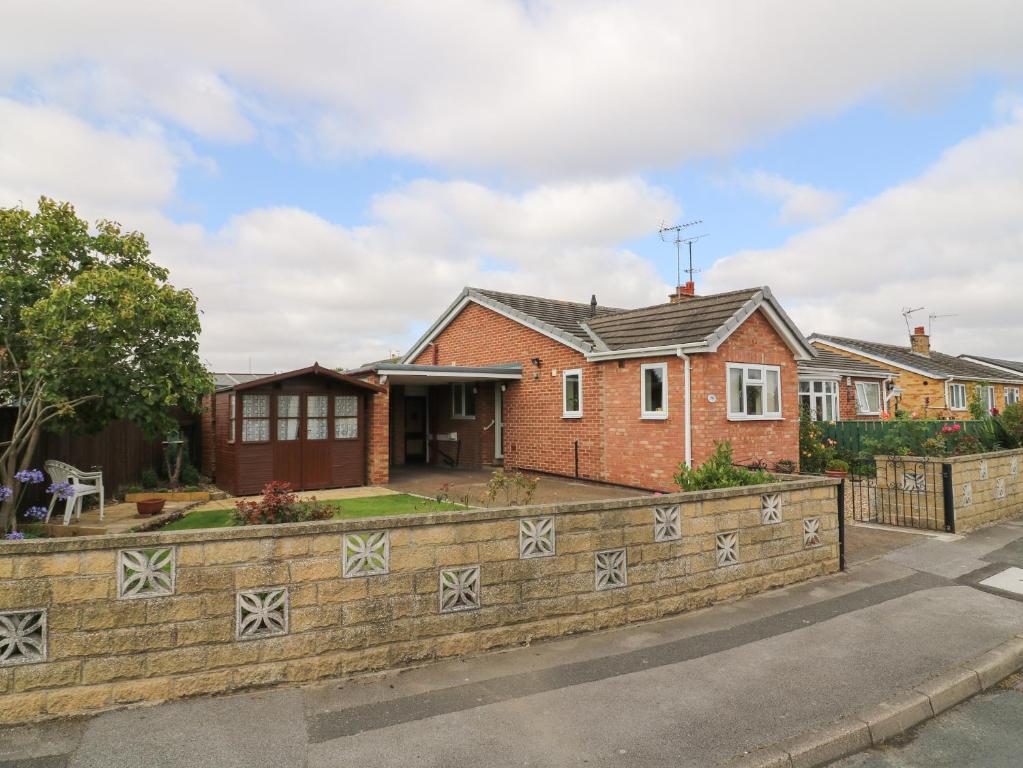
(653, 379)
(820, 398)
(346, 417)
(572, 394)
(868, 398)
(463, 401)
(754, 391)
(255, 418)
(1011, 395)
(987, 396)
(232, 418)
(957, 397)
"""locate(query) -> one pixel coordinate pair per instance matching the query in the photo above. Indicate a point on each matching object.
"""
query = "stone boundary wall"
(987, 487)
(103, 622)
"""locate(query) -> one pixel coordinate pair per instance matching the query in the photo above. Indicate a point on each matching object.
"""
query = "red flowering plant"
(279, 504)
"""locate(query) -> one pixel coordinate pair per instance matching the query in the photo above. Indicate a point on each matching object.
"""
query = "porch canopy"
(397, 373)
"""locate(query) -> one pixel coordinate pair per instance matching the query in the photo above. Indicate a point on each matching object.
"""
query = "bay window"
(754, 391)
(820, 398)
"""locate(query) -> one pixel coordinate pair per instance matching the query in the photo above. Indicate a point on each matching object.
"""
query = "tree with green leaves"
(90, 332)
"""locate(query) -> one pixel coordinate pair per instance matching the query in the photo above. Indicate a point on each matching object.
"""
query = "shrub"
(279, 505)
(815, 450)
(718, 472)
(149, 478)
(838, 465)
(189, 475)
(515, 488)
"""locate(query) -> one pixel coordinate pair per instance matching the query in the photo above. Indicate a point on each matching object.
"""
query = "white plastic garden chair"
(83, 484)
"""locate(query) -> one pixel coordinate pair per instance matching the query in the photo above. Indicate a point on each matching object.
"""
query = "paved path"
(695, 690)
(985, 731)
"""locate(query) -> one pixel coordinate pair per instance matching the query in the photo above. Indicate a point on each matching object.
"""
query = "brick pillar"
(377, 437)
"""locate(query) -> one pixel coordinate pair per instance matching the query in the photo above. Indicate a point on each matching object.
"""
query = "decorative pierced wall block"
(610, 569)
(22, 637)
(812, 532)
(145, 572)
(667, 523)
(770, 508)
(728, 548)
(366, 554)
(914, 481)
(1000, 488)
(967, 498)
(1014, 466)
(983, 470)
(261, 613)
(536, 537)
(460, 589)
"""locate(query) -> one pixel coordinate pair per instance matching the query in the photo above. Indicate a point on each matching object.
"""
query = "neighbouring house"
(312, 427)
(930, 384)
(833, 386)
(608, 394)
(1013, 367)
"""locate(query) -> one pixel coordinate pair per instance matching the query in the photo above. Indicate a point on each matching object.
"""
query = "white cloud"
(950, 240)
(800, 203)
(539, 89)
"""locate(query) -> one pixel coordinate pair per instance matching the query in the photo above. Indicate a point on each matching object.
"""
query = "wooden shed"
(307, 427)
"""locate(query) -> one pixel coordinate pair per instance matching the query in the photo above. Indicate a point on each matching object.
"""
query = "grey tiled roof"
(832, 361)
(691, 320)
(566, 316)
(937, 365)
(1014, 365)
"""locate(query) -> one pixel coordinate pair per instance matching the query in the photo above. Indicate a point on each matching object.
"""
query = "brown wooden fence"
(121, 450)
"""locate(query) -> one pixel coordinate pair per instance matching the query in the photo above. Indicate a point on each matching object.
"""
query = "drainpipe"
(688, 409)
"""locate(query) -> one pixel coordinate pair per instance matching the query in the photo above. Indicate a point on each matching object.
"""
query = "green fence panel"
(849, 436)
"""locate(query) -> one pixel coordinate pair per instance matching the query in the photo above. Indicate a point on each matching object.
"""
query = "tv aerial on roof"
(907, 313)
(678, 239)
(932, 317)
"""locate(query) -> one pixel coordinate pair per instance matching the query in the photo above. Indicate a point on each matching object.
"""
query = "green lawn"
(370, 506)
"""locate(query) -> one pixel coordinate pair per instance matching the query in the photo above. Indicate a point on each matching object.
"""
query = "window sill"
(868, 413)
(654, 417)
(464, 418)
(756, 418)
(571, 415)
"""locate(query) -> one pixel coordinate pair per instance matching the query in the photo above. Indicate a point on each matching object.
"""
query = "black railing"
(899, 490)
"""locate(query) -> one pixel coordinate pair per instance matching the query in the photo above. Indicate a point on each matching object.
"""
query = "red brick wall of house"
(754, 342)
(377, 438)
(475, 445)
(536, 436)
(615, 444)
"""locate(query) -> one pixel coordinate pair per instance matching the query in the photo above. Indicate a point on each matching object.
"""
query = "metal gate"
(903, 491)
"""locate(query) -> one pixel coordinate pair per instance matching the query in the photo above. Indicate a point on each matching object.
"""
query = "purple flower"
(14, 536)
(5, 493)
(30, 476)
(36, 513)
(62, 491)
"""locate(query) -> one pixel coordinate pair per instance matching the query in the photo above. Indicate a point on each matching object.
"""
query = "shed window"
(868, 398)
(754, 391)
(316, 417)
(654, 383)
(346, 417)
(287, 417)
(463, 401)
(957, 397)
(572, 394)
(820, 398)
(232, 417)
(255, 418)
(1011, 395)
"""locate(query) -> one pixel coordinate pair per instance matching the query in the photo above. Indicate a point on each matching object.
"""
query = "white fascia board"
(763, 299)
(878, 358)
(624, 354)
(992, 365)
(471, 296)
(449, 374)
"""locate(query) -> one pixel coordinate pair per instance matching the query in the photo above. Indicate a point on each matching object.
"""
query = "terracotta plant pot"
(839, 473)
(149, 507)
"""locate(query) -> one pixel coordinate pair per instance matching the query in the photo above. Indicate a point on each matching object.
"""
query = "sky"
(327, 176)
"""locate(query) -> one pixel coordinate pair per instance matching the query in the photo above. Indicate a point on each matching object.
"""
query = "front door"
(498, 421)
(415, 429)
(315, 441)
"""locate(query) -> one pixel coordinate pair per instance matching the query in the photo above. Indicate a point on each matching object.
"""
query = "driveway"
(429, 481)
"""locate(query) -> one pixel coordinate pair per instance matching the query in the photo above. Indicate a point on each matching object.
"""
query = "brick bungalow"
(931, 384)
(574, 389)
(833, 387)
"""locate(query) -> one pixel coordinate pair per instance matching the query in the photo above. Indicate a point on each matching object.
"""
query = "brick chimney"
(920, 342)
(683, 292)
